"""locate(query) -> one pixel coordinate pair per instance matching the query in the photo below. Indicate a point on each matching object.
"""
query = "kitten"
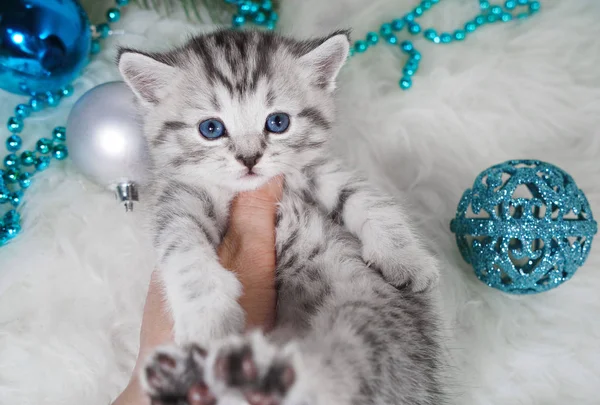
(226, 112)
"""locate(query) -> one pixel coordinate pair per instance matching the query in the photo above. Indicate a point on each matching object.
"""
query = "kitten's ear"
(145, 75)
(326, 60)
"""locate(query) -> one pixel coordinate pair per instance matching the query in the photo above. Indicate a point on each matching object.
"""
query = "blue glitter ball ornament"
(525, 227)
(44, 44)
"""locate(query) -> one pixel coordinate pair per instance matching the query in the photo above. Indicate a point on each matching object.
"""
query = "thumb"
(261, 202)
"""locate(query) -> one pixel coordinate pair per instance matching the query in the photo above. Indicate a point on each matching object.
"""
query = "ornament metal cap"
(127, 193)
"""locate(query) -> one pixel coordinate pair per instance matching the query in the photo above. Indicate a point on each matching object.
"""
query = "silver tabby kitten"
(227, 112)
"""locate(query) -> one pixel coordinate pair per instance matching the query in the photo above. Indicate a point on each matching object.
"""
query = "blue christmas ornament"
(525, 227)
(44, 44)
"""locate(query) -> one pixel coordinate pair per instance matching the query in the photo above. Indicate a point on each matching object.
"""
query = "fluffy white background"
(72, 285)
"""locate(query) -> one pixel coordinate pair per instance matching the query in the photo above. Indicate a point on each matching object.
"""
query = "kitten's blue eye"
(212, 129)
(277, 123)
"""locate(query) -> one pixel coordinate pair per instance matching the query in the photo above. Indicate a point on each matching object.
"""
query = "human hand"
(248, 249)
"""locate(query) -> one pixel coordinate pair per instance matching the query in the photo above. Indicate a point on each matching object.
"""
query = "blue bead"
(12, 217)
(408, 71)
(11, 161)
(36, 103)
(523, 2)
(4, 196)
(273, 16)
(67, 91)
(360, 46)
(480, 20)
(59, 134)
(15, 198)
(266, 5)
(386, 29)
(415, 55)
(260, 18)
(492, 18)
(506, 17)
(484, 4)
(414, 28)
(95, 48)
(426, 4)
(113, 15)
(22, 111)
(522, 16)
(25, 179)
(122, 3)
(27, 158)
(271, 25)
(103, 30)
(510, 4)
(470, 26)
(497, 10)
(418, 11)
(238, 20)
(445, 38)
(14, 125)
(409, 17)
(405, 83)
(41, 163)
(412, 63)
(59, 152)
(52, 99)
(244, 8)
(43, 145)
(534, 6)
(12, 230)
(391, 39)
(254, 8)
(407, 46)
(430, 34)
(459, 35)
(13, 143)
(11, 176)
(372, 38)
(398, 24)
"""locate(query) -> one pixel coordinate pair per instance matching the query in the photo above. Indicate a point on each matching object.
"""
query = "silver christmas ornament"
(106, 142)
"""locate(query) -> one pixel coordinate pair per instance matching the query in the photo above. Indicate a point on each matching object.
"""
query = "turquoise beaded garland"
(524, 226)
(260, 13)
(488, 14)
(19, 168)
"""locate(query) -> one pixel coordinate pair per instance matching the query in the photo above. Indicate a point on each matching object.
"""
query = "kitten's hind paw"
(176, 375)
(251, 366)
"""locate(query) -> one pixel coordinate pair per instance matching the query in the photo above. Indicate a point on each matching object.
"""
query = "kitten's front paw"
(176, 375)
(199, 322)
(409, 268)
(252, 368)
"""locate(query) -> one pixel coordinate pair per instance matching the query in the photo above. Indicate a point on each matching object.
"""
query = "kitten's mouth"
(249, 175)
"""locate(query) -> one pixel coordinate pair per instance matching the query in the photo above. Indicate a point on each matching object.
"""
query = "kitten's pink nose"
(249, 161)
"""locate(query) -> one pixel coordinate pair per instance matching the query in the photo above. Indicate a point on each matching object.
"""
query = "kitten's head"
(237, 108)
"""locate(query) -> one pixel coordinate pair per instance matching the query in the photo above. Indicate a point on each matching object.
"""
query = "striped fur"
(356, 324)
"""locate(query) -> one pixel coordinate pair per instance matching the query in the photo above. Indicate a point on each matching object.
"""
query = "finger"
(156, 321)
(264, 198)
